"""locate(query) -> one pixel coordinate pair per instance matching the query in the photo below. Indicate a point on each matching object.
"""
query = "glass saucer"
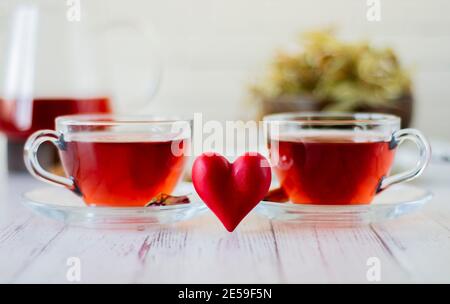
(61, 204)
(394, 202)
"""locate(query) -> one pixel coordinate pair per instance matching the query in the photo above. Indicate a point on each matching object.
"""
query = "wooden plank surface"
(414, 248)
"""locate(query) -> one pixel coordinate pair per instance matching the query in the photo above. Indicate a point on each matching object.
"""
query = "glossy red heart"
(231, 191)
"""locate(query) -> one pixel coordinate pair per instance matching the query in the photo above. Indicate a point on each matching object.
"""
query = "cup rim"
(116, 119)
(333, 118)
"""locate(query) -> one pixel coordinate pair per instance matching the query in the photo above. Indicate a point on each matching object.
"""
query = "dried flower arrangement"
(337, 75)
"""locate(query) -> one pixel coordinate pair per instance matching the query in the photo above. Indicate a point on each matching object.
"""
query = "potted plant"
(328, 74)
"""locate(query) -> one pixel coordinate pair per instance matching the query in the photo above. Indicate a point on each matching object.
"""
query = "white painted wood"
(415, 248)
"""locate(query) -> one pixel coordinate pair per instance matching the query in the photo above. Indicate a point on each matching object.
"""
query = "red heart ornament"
(231, 191)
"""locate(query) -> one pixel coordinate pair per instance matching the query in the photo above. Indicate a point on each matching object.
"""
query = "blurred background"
(235, 59)
(213, 49)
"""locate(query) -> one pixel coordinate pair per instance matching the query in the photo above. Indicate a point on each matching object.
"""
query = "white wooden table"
(415, 248)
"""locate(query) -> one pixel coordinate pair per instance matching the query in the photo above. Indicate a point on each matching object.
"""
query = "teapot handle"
(119, 32)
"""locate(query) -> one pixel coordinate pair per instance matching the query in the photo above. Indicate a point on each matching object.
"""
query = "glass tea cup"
(113, 160)
(338, 158)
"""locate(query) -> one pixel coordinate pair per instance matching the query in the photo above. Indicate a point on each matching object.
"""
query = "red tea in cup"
(110, 171)
(116, 161)
(340, 168)
(338, 158)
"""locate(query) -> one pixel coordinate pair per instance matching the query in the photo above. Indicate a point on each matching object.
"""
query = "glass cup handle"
(424, 157)
(31, 160)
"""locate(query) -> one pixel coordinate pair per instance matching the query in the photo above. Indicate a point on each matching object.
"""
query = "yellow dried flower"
(343, 74)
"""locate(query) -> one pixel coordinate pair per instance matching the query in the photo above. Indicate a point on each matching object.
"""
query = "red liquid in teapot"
(113, 172)
(44, 112)
(332, 169)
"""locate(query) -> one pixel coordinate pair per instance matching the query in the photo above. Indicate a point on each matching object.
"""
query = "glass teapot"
(70, 57)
